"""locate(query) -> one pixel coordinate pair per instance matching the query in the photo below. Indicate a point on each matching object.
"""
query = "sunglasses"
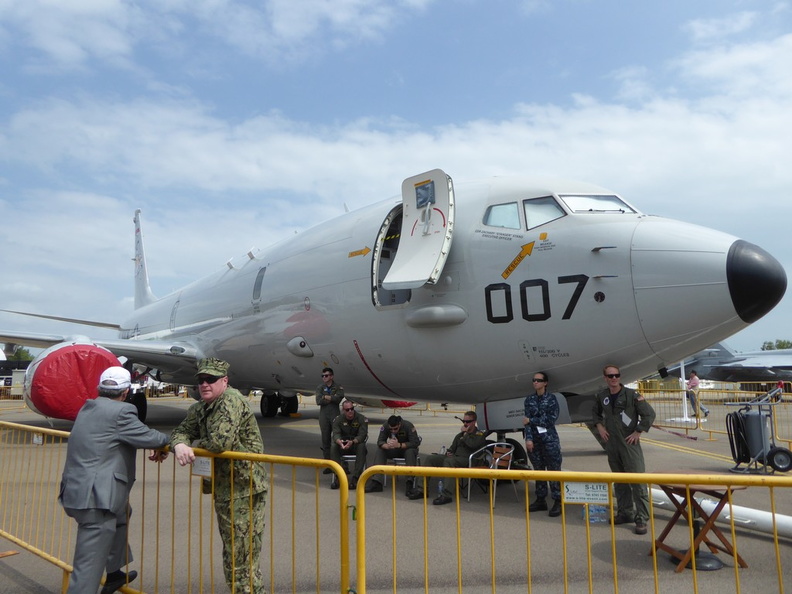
(326, 374)
(538, 379)
(466, 422)
(207, 379)
(348, 409)
(612, 375)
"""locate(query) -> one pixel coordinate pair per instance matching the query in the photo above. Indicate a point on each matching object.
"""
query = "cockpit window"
(539, 211)
(595, 203)
(503, 215)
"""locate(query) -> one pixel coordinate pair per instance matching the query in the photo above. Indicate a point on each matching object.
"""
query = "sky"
(233, 124)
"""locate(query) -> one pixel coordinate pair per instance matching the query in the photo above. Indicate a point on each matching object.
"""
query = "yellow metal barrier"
(172, 529)
(494, 545)
(675, 412)
(483, 544)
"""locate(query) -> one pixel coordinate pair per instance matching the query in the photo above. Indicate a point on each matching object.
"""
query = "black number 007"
(501, 293)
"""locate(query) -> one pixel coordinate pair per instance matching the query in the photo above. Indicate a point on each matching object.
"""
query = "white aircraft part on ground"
(745, 517)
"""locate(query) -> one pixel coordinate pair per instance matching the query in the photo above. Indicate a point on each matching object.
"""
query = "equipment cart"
(751, 435)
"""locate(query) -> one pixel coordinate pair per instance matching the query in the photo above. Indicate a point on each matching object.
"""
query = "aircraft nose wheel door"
(427, 226)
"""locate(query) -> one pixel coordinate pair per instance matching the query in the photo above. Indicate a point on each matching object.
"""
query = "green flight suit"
(621, 414)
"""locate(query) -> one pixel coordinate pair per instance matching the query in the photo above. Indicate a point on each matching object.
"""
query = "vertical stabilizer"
(143, 294)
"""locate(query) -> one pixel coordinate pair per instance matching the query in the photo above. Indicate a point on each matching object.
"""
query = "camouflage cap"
(212, 366)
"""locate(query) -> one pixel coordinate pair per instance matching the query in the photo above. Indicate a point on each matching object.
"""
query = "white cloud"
(706, 30)
(758, 70)
(633, 83)
(70, 34)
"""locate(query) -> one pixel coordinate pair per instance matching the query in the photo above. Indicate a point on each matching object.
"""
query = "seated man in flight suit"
(465, 443)
(350, 432)
(397, 439)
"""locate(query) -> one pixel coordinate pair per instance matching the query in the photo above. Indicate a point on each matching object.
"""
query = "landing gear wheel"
(780, 459)
(289, 405)
(269, 405)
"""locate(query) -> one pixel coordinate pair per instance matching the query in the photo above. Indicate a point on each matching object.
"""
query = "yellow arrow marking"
(362, 252)
(526, 251)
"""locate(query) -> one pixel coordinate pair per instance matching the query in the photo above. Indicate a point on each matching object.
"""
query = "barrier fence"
(675, 411)
(491, 543)
(172, 529)
(496, 545)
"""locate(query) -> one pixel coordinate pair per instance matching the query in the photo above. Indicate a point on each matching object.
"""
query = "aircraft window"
(503, 215)
(594, 203)
(539, 211)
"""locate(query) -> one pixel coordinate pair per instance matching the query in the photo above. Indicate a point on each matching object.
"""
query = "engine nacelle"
(60, 379)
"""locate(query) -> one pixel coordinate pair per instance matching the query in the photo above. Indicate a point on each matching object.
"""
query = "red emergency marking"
(371, 371)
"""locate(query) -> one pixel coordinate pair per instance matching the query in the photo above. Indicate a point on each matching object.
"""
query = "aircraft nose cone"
(757, 281)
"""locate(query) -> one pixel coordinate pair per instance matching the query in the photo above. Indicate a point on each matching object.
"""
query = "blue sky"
(232, 124)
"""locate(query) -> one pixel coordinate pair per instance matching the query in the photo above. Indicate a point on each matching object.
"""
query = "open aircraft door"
(426, 228)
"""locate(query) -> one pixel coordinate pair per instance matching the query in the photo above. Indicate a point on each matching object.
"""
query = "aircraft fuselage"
(567, 296)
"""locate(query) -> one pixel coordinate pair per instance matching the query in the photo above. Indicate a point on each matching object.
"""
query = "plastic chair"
(496, 456)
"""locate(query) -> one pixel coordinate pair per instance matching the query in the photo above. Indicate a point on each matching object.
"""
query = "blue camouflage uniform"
(543, 413)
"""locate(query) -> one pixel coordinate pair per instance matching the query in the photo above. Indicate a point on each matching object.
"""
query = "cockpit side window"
(595, 203)
(503, 215)
(539, 211)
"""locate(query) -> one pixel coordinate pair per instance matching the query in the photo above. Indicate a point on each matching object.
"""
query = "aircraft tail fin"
(143, 294)
(722, 350)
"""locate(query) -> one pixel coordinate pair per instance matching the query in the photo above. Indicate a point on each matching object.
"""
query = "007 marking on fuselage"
(505, 291)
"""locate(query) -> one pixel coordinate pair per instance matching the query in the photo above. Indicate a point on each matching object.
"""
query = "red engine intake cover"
(66, 377)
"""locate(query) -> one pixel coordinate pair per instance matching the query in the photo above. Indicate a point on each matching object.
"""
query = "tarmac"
(299, 436)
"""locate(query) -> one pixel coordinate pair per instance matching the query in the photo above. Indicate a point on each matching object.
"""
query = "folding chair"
(496, 456)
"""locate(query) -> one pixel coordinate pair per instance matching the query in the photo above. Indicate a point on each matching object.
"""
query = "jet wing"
(37, 341)
(172, 358)
(167, 356)
(747, 373)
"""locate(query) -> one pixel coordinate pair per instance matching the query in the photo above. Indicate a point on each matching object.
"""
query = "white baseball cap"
(115, 378)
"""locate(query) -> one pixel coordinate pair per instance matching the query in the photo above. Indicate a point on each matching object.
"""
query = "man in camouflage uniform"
(541, 441)
(350, 432)
(621, 416)
(222, 421)
(328, 398)
(465, 443)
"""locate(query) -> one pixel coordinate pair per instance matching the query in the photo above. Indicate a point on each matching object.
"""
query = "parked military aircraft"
(721, 363)
(448, 292)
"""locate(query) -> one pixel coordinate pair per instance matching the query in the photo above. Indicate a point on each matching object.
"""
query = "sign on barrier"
(586, 493)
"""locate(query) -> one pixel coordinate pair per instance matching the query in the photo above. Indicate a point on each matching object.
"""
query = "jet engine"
(60, 379)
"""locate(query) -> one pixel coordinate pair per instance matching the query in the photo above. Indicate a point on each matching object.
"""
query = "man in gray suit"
(97, 479)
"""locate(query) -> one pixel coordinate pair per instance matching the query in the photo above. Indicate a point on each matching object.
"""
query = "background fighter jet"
(721, 363)
(449, 292)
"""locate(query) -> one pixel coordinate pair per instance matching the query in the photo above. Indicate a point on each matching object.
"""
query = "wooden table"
(678, 494)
